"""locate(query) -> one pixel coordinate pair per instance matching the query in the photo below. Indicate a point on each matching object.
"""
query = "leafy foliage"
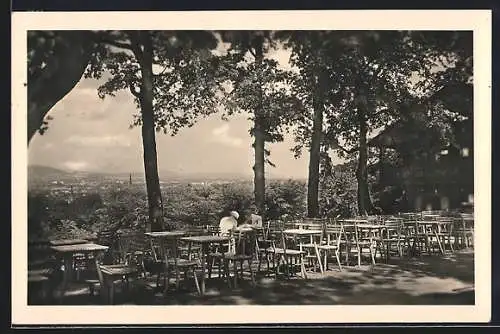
(53, 215)
(186, 79)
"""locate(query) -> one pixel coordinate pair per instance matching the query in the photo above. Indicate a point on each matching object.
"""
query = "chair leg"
(303, 266)
(372, 254)
(251, 272)
(196, 281)
(210, 262)
(268, 264)
(235, 272)
(326, 261)
(227, 273)
(337, 255)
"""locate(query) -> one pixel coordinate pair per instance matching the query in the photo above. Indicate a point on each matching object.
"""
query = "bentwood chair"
(332, 243)
(244, 251)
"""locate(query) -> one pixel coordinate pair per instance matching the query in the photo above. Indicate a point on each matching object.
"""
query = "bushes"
(285, 198)
(338, 194)
(55, 215)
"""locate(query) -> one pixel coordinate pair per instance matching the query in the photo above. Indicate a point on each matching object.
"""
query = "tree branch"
(116, 43)
(352, 150)
(251, 52)
(133, 90)
(135, 46)
(161, 73)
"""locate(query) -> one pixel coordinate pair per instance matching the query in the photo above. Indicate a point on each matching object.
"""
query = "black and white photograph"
(320, 161)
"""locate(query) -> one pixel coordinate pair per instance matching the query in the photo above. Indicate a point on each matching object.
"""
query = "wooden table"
(162, 237)
(61, 242)
(67, 252)
(303, 232)
(205, 241)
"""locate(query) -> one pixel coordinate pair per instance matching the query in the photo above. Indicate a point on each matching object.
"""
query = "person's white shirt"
(228, 223)
(256, 220)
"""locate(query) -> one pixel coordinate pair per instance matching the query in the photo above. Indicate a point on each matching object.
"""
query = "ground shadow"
(429, 280)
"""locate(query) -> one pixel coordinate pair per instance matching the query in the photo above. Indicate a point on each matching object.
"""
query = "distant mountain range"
(45, 173)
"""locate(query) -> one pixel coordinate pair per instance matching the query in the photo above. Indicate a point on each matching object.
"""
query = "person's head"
(234, 214)
(253, 208)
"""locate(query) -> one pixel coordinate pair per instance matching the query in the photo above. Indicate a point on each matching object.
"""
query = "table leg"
(68, 266)
(203, 267)
(177, 271)
(166, 268)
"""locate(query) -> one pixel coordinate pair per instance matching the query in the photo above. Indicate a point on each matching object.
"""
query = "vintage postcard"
(251, 167)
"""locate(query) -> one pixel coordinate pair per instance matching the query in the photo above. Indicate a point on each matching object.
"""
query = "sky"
(90, 134)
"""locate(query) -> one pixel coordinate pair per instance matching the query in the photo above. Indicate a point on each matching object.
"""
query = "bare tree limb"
(133, 90)
(116, 43)
(251, 52)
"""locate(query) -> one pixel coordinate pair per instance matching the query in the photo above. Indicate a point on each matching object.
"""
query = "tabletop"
(166, 234)
(247, 228)
(370, 226)
(88, 247)
(205, 238)
(300, 231)
(434, 222)
(60, 242)
(354, 220)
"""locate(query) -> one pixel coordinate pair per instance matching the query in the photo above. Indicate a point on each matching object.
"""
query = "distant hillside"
(44, 172)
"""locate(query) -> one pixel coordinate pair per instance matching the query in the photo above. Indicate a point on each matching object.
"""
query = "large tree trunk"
(365, 205)
(259, 135)
(314, 160)
(62, 72)
(149, 135)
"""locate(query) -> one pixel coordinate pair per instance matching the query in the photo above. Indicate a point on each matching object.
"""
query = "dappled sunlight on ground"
(447, 280)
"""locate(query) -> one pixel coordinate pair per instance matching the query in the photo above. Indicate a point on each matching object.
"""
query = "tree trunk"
(259, 135)
(149, 135)
(365, 205)
(60, 75)
(314, 160)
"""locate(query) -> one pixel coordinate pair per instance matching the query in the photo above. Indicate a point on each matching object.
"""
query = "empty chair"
(392, 237)
(244, 252)
(331, 244)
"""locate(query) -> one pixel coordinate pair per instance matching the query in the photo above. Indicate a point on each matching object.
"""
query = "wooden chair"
(244, 251)
(270, 235)
(187, 251)
(332, 243)
(132, 249)
(367, 238)
(392, 235)
(215, 256)
(283, 251)
(311, 257)
(463, 230)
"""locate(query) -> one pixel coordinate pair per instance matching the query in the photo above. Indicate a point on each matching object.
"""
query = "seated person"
(253, 219)
(256, 220)
(229, 222)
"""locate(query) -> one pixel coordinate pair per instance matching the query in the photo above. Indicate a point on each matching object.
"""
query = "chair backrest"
(131, 242)
(349, 231)
(333, 234)
(212, 229)
(245, 242)
(274, 226)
